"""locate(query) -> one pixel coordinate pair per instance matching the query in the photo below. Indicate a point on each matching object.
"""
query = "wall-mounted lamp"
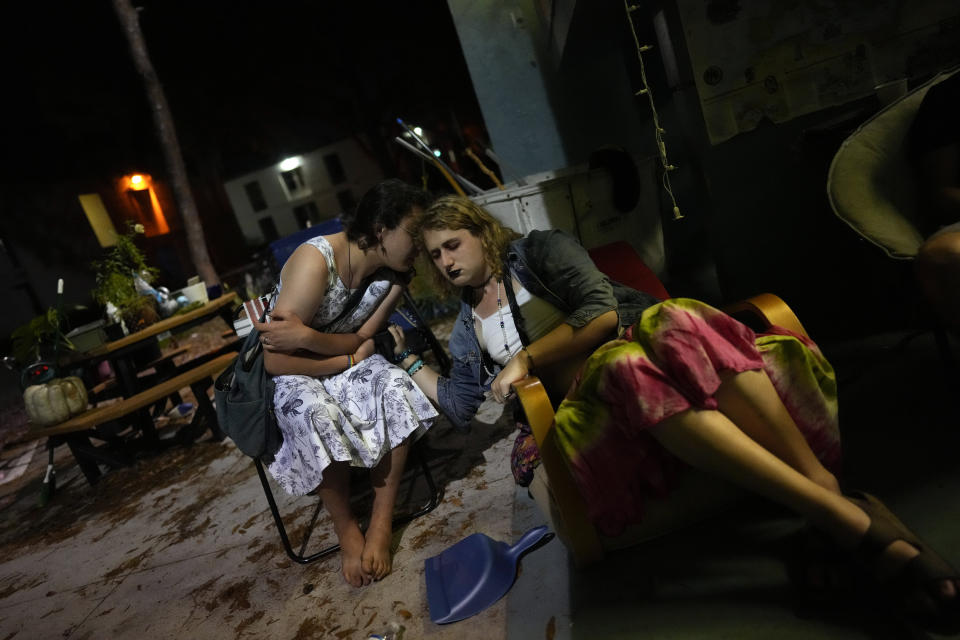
(144, 201)
(289, 164)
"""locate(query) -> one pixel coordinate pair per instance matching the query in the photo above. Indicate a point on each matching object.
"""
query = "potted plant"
(37, 339)
(115, 277)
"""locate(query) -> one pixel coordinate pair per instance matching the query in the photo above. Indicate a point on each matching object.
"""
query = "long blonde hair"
(457, 212)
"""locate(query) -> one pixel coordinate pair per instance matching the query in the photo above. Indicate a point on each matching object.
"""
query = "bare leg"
(335, 493)
(709, 441)
(938, 270)
(752, 403)
(385, 478)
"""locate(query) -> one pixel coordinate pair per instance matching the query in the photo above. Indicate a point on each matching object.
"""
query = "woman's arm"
(305, 277)
(556, 347)
(561, 265)
(309, 364)
(458, 395)
(306, 363)
(291, 347)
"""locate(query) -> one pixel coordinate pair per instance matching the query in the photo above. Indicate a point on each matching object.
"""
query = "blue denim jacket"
(576, 287)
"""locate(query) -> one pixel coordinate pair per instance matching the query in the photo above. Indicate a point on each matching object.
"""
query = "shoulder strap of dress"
(324, 247)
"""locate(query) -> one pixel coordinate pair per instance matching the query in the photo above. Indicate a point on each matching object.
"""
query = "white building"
(301, 191)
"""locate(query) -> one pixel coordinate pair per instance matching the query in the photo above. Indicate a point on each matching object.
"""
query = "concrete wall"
(556, 81)
(500, 44)
(756, 217)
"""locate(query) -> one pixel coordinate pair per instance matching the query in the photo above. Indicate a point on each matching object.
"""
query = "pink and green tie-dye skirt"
(668, 362)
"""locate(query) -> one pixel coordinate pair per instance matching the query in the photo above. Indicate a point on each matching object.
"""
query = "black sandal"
(923, 573)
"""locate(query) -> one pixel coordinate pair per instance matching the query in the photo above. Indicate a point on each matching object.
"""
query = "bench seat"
(98, 415)
(76, 431)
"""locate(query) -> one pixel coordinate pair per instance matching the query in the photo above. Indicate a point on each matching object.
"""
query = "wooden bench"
(76, 431)
(163, 365)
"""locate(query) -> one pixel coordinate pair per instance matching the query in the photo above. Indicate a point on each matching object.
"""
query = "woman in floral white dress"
(338, 404)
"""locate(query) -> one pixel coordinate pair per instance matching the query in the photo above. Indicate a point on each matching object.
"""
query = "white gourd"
(55, 401)
(76, 394)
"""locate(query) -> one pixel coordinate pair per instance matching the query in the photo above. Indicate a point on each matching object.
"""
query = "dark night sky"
(248, 83)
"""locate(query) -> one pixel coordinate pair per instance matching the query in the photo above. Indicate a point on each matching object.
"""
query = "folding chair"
(299, 556)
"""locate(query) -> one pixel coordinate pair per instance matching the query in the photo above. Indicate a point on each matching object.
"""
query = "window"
(255, 195)
(347, 202)
(306, 214)
(268, 228)
(292, 179)
(334, 168)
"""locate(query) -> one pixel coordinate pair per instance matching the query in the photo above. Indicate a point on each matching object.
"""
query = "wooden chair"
(554, 487)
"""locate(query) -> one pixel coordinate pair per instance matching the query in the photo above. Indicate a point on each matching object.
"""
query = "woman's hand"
(366, 350)
(285, 333)
(515, 370)
(399, 340)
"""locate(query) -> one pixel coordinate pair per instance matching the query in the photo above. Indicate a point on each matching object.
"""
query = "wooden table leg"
(204, 418)
(206, 407)
(80, 446)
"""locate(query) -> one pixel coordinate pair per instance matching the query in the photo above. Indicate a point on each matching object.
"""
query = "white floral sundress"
(356, 416)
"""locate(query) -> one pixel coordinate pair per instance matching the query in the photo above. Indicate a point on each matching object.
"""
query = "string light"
(657, 129)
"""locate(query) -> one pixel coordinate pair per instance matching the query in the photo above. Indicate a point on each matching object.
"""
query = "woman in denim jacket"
(667, 383)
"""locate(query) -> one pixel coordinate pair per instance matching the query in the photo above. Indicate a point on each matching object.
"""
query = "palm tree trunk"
(163, 120)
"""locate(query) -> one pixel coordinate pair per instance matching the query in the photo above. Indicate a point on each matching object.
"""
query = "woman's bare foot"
(377, 560)
(351, 549)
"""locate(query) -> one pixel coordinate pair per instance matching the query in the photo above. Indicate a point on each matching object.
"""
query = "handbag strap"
(253, 347)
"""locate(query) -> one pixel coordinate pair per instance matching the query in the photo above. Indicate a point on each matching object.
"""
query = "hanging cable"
(657, 129)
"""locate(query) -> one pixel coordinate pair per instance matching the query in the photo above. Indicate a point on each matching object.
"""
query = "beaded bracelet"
(416, 366)
(403, 354)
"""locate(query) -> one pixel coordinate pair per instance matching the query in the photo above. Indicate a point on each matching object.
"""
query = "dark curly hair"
(385, 204)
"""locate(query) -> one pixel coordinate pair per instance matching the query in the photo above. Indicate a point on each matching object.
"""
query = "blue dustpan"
(473, 574)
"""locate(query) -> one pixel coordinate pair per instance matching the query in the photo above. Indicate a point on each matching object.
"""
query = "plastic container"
(89, 336)
(193, 293)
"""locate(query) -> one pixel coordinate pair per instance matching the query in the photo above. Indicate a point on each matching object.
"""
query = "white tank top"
(541, 318)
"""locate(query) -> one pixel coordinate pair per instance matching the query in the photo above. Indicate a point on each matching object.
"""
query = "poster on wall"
(780, 60)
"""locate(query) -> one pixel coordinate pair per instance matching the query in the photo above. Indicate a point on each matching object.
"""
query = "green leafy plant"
(33, 340)
(114, 274)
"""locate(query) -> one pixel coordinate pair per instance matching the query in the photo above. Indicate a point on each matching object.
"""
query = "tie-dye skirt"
(668, 362)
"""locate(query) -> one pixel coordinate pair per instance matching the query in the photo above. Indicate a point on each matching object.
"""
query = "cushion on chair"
(871, 185)
(620, 262)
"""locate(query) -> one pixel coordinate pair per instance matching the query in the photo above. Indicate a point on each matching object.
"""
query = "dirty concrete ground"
(183, 545)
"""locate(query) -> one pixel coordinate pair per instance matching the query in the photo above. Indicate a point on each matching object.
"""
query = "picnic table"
(121, 353)
(105, 421)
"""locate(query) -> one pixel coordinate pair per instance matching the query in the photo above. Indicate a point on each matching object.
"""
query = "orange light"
(138, 182)
(150, 213)
(159, 218)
